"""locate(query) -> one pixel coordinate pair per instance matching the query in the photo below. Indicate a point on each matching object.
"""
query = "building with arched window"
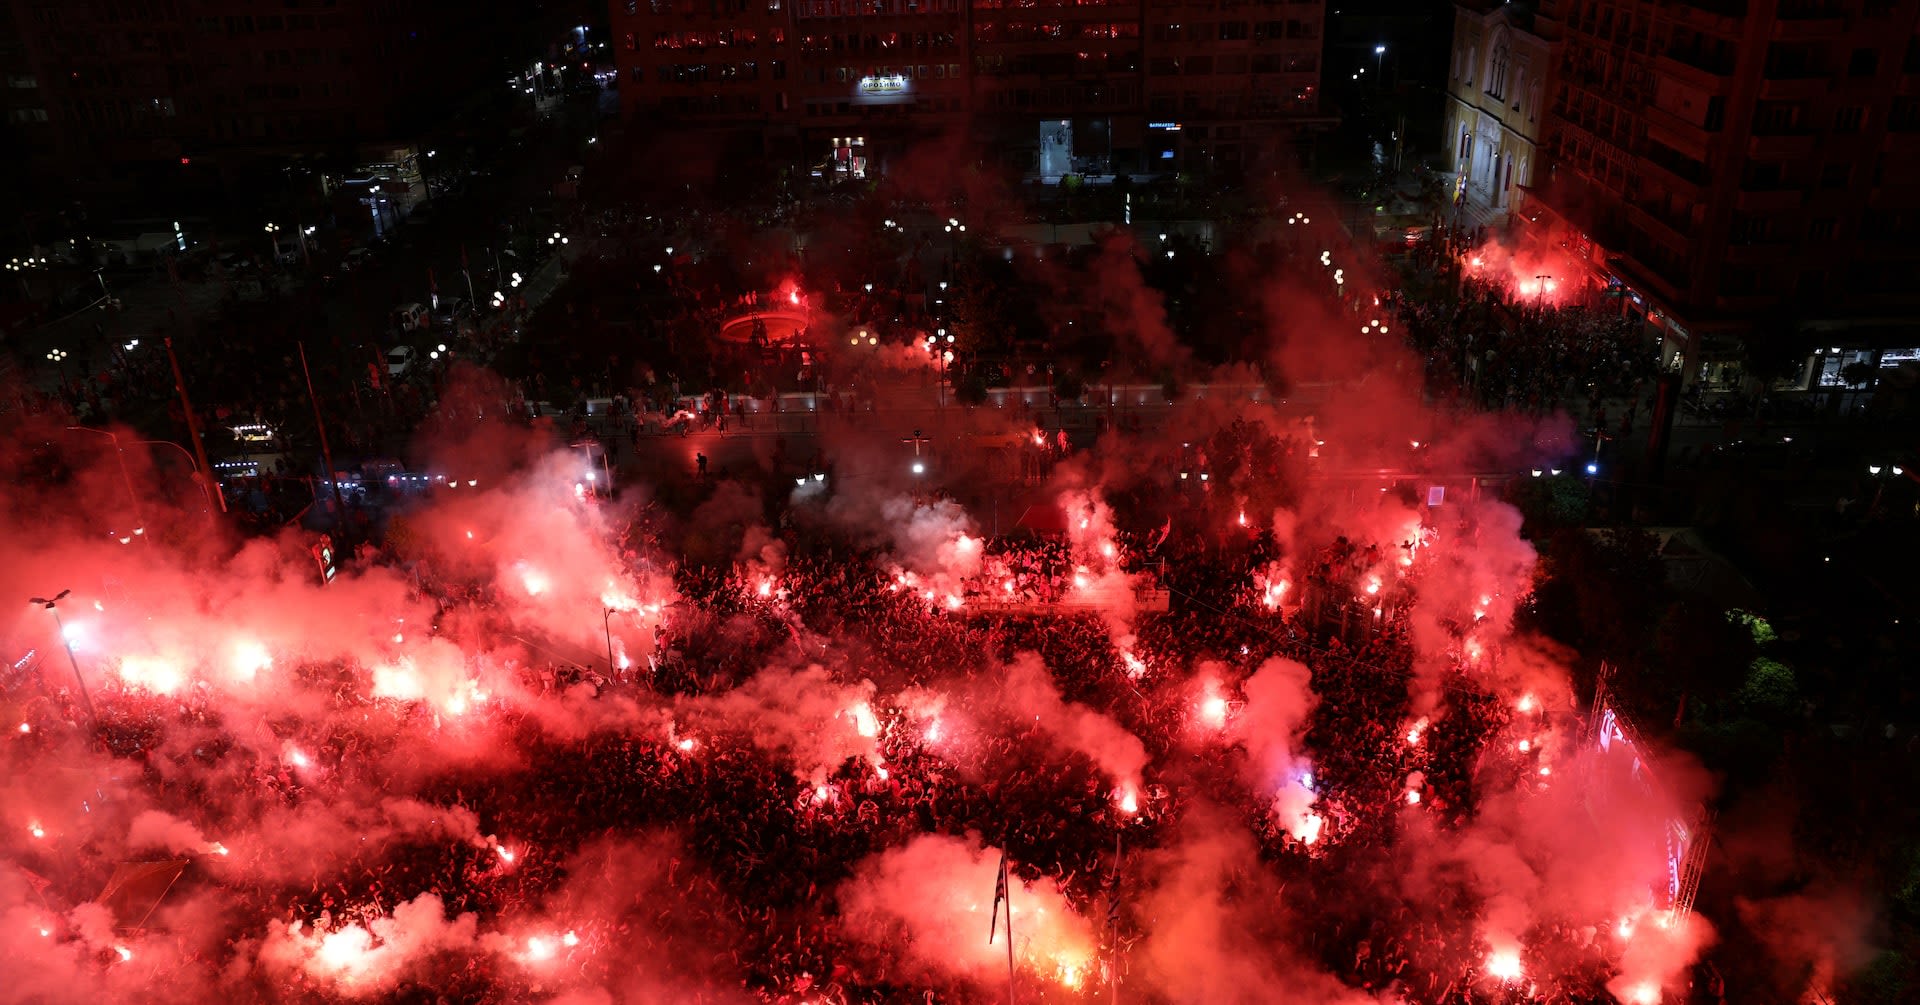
(1494, 92)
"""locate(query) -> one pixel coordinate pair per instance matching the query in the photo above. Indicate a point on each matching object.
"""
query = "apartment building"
(1731, 168)
(1055, 88)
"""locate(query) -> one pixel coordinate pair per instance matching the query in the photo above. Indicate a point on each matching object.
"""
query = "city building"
(1054, 89)
(1496, 85)
(23, 113)
(172, 95)
(1739, 175)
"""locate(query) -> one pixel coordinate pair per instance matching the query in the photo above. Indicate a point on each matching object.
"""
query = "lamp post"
(52, 607)
(58, 357)
(1540, 291)
(1881, 475)
(273, 238)
(20, 267)
(199, 478)
(1379, 61)
(606, 624)
(133, 498)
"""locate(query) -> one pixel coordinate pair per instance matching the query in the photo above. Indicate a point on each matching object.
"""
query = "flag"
(999, 894)
(1113, 889)
(1161, 538)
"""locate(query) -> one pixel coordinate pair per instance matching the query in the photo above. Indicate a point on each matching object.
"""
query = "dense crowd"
(755, 849)
(1502, 354)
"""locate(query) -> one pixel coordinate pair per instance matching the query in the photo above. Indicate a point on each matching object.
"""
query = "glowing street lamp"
(133, 498)
(1379, 58)
(66, 642)
(273, 236)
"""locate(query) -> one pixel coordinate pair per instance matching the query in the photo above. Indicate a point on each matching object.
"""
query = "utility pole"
(193, 424)
(326, 454)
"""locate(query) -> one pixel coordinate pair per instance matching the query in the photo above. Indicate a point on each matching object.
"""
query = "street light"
(199, 479)
(606, 624)
(120, 455)
(273, 235)
(51, 606)
(1540, 290)
(1379, 58)
(59, 358)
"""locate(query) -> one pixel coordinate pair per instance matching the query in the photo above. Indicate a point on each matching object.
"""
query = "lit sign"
(1172, 127)
(891, 89)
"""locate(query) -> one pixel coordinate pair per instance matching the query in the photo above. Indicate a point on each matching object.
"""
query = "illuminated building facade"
(1496, 87)
(1094, 89)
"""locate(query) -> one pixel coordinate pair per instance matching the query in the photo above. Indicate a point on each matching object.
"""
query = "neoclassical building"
(1495, 90)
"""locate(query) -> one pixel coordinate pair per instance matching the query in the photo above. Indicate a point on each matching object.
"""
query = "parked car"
(400, 360)
(451, 310)
(410, 317)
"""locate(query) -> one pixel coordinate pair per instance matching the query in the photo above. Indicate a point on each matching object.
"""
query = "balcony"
(1800, 19)
(1781, 145)
(1758, 252)
(1696, 17)
(1656, 223)
(1696, 68)
(1795, 86)
(1903, 147)
(1771, 200)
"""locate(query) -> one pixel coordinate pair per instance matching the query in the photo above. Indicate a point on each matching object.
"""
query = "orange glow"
(1213, 711)
(150, 674)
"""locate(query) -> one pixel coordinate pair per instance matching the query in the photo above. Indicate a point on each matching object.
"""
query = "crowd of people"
(1503, 354)
(754, 849)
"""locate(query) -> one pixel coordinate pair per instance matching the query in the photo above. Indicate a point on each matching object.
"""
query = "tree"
(1601, 592)
(1770, 690)
(1701, 651)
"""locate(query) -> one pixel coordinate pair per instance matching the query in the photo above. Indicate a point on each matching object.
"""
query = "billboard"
(887, 89)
